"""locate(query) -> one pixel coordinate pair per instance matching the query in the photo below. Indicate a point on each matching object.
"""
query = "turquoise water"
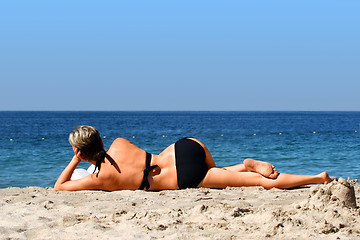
(34, 147)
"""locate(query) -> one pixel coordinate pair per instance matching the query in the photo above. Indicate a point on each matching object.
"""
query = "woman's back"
(127, 171)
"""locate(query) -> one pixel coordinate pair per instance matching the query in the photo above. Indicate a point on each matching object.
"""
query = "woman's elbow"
(57, 187)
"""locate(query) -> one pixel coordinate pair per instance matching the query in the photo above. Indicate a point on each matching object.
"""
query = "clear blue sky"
(180, 55)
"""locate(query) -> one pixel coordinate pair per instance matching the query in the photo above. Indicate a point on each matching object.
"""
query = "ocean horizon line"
(274, 111)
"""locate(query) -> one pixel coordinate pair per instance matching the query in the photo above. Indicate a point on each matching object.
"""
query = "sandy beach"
(326, 211)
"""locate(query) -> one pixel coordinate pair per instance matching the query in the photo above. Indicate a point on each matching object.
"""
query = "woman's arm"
(65, 184)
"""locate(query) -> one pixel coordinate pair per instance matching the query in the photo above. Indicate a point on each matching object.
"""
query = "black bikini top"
(109, 158)
(145, 182)
(101, 158)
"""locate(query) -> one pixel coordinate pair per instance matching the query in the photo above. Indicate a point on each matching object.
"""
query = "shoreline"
(324, 211)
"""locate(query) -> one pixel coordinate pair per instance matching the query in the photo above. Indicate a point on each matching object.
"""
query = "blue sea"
(35, 149)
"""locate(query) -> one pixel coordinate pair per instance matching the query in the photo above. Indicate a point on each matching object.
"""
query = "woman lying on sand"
(185, 164)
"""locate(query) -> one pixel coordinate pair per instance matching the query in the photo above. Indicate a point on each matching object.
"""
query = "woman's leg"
(285, 180)
(263, 168)
(222, 178)
(250, 165)
(236, 168)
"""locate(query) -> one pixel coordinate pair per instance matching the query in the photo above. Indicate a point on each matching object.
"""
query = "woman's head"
(87, 139)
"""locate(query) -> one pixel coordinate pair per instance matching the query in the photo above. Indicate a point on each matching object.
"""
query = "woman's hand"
(77, 155)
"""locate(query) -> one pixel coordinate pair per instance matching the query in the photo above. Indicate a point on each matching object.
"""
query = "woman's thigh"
(222, 178)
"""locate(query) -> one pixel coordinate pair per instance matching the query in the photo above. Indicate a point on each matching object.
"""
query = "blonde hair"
(88, 140)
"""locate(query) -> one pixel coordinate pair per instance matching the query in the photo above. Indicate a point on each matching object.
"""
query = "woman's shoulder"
(122, 142)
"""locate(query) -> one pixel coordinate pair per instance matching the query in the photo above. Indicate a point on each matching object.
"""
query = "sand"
(325, 211)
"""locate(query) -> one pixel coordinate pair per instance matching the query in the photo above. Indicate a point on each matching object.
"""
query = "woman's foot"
(263, 168)
(325, 177)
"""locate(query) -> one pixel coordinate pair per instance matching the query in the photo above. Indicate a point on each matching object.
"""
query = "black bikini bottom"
(190, 162)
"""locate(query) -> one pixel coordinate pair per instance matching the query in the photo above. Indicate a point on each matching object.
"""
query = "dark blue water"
(34, 146)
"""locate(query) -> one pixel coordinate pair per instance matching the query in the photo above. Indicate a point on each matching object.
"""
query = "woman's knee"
(267, 183)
